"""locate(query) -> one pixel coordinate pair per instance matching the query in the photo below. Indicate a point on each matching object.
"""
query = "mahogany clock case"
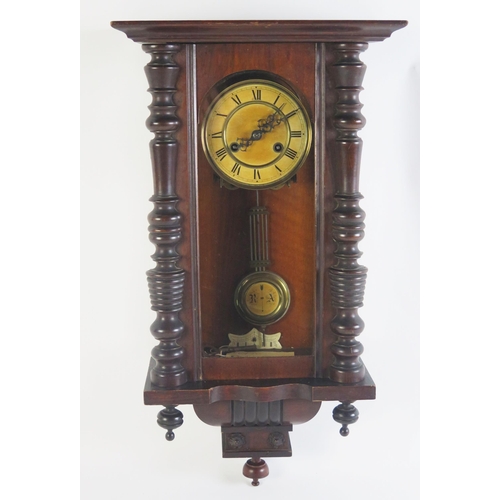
(211, 229)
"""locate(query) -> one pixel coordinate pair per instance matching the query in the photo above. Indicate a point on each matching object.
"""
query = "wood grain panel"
(223, 213)
(261, 368)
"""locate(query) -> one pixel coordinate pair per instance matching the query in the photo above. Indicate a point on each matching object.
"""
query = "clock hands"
(265, 125)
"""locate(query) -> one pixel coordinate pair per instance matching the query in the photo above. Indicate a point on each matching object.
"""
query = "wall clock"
(256, 224)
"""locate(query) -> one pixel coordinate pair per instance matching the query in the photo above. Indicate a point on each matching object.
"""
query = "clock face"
(262, 298)
(256, 134)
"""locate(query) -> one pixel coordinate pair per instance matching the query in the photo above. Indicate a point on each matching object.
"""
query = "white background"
(123, 452)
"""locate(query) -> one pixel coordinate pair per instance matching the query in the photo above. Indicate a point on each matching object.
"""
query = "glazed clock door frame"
(216, 240)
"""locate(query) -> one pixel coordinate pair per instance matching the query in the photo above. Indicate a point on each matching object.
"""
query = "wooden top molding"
(154, 32)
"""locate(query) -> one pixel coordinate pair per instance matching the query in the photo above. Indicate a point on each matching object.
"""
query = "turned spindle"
(166, 280)
(347, 277)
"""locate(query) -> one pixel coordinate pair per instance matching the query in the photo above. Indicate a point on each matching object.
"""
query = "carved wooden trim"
(347, 277)
(166, 280)
(256, 441)
(251, 413)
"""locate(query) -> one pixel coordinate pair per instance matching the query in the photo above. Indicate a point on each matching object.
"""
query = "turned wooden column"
(166, 280)
(344, 73)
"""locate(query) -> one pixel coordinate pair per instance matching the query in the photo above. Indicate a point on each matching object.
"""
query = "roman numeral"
(291, 153)
(221, 154)
(218, 135)
(236, 99)
(256, 174)
(236, 169)
(257, 94)
(277, 168)
(296, 133)
(276, 100)
(220, 114)
(289, 115)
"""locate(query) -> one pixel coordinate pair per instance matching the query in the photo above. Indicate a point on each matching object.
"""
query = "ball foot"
(255, 469)
(345, 414)
(170, 418)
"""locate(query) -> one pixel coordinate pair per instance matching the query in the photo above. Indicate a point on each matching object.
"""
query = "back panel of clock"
(223, 226)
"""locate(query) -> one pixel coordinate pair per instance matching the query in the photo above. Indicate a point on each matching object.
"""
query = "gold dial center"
(262, 298)
(266, 146)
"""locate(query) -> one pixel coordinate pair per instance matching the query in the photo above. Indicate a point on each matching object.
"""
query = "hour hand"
(244, 143)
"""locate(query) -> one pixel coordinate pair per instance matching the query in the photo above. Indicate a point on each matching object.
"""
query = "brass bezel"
(233, 182)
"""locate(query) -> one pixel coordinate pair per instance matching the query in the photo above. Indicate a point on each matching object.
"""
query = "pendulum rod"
(259, 241)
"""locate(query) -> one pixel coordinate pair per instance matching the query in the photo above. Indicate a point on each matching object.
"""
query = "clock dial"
(262, 298)
(256, 134)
